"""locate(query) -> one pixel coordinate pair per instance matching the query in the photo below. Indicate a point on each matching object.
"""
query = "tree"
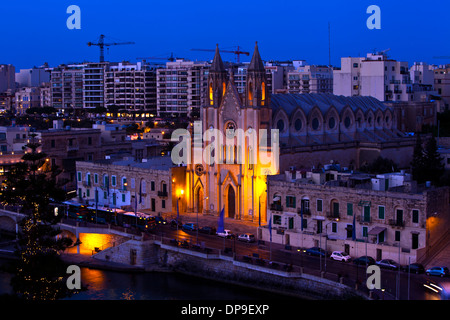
(417, 164)
(427, 162)
(434, 168)
(39, 272)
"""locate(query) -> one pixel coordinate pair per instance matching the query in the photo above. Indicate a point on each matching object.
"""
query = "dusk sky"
(35, 32)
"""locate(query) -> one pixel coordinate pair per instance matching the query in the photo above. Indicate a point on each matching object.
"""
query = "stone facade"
(128, 184)
(385, 217)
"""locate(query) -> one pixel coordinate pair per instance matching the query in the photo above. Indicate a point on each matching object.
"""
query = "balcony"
(276, 207)
(162, 194)
(333, 215)
(397, 223)
(306, 212)
(364, 220)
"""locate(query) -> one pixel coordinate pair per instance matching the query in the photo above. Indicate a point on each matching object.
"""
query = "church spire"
(256, 64)
(217, 64)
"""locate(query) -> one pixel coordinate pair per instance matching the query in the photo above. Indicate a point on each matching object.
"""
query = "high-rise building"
(310, 79)
(33, 77)
(131, 87)
(7, 77)
(94, 84)
(67, 87)
(181, 87)
(375, 75)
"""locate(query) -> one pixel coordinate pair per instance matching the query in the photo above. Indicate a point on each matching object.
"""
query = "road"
(411, 286)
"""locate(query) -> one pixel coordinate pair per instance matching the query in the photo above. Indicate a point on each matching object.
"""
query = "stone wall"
(225, 269)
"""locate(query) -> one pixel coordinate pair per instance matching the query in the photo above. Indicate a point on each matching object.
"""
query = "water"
(112, 285)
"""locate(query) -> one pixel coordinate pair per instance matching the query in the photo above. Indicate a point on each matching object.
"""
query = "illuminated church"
(235, 183)
(311, 130)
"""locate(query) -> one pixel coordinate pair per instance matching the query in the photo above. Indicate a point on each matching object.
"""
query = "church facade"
(235, 180)
(298, 130)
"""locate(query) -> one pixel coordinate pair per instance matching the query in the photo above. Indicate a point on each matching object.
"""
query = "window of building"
(95, 178)
(276, 219)
(290, 202)
(298, 124)
(334, 227)
(315, 124)
(397, 235)
(349, 209)
(365, 233)
(123, 197)
(152, 185)
(380, 212)
(319, 205)
(163, 204)
(113, 181)
(415, 216)
(79, 176)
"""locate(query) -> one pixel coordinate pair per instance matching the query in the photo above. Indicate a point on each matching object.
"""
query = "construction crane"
(237, 52)
(171, 58)
(101, 43)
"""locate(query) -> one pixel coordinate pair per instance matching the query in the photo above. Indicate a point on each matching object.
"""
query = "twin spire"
(256, 63)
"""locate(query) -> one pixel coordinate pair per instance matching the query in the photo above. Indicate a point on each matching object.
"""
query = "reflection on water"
(111, 285)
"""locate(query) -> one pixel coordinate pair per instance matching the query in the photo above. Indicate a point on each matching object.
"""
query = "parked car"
(173, 224)
(388, 264)
(207, 230)
(189, 227)
(414, 268)
(160, 220)
(364, 260)
(315, 251)
(340, 256)
(226, 234)
(438, 271)
(248, 237)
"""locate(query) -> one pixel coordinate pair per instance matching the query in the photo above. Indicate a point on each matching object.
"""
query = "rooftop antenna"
(329, 44)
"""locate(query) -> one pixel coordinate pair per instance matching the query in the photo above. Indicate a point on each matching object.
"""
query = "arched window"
(211, 96)
(263, 91)
(250, 91)
(224, 87)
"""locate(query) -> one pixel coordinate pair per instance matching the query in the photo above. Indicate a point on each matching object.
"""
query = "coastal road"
(412, 286)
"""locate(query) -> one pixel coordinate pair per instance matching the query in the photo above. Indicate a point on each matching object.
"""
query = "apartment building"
(67, 87)
(181, 88)
(310, 79)
(131, 87)
(33, 77)
(7, 77)
(386, 216)
(94, 84)
(442, 85)
(375, 75)
(276, 76)
(25, 98)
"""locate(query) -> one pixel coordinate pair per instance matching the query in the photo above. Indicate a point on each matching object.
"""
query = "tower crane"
(237, 52)
(171, 58)
(101, 43)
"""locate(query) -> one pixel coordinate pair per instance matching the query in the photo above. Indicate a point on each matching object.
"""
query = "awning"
(276, 198)
(377, 230)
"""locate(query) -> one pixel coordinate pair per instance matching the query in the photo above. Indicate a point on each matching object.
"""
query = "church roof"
(290, 102)
(256, 63)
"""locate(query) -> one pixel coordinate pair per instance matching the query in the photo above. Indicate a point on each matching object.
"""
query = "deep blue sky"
(34, 32)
